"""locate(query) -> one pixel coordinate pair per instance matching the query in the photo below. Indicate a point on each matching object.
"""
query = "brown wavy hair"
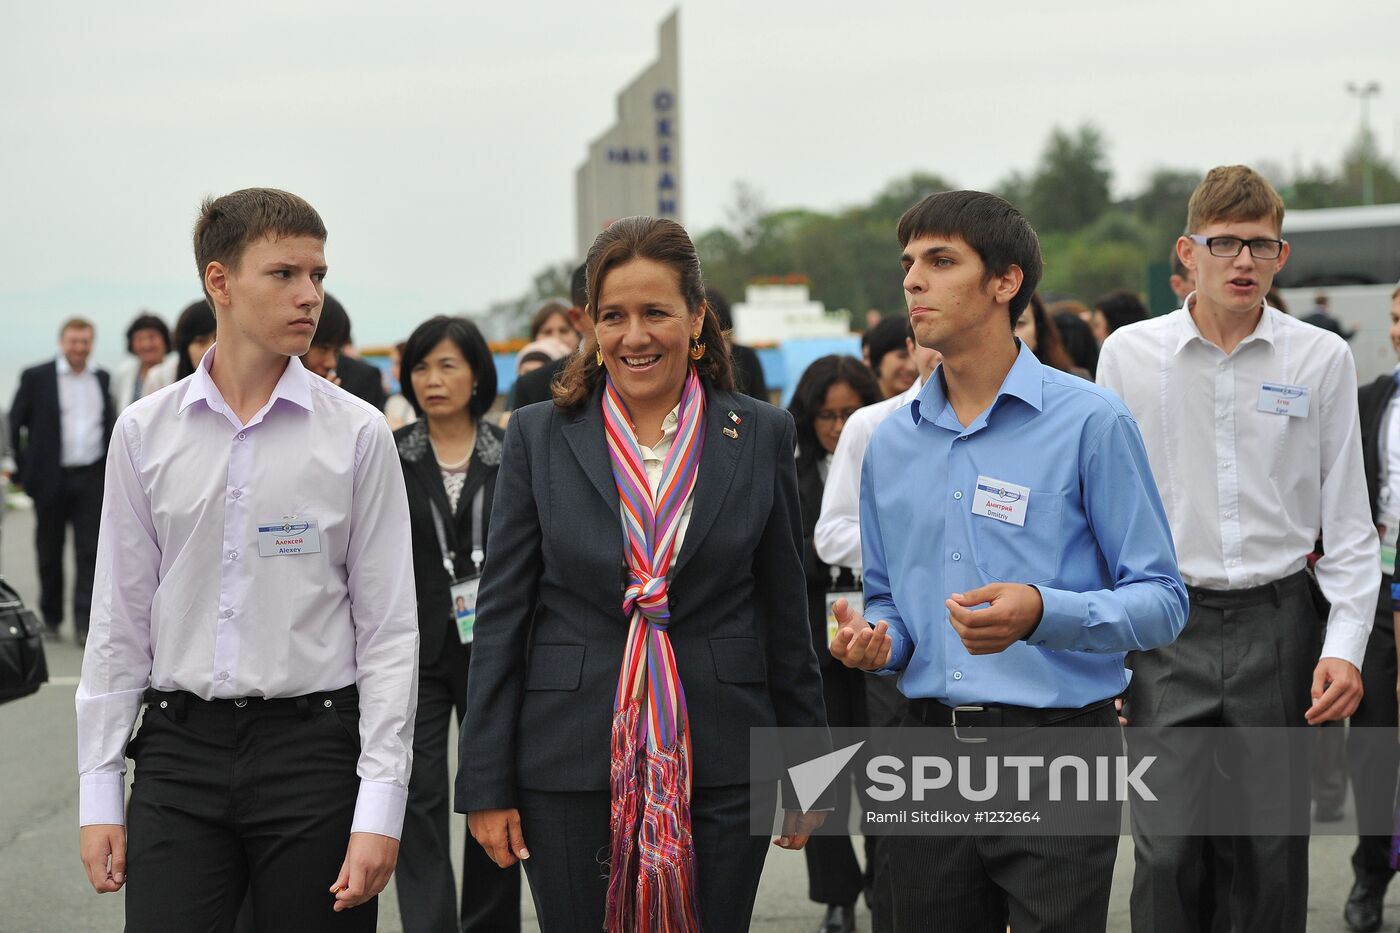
(659, 240)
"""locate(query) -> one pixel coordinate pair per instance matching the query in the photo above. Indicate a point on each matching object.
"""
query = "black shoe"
(1363, 910)
(838, 919)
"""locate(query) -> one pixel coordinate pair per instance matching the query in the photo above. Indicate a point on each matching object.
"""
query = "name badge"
(464, 607)
(1003, 501)
(854, 597)
(1276, 399)
(288, 536)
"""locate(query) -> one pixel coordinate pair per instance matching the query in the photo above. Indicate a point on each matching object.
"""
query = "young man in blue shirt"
(1015, 608)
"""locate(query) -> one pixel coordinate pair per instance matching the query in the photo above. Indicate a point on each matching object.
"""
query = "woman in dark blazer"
(831, 390)
(450, 459)
(552, 771)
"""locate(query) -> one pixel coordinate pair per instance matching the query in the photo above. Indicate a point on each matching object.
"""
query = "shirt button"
(236, 493)
(957, 675)
(242, 435)
(233, 555)
(228, 613)
(957, 556)
(957, 495)
(223, 675)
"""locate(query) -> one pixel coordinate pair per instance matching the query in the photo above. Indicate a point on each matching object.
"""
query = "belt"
(1253, 596)
(991, 716)
(180, 702)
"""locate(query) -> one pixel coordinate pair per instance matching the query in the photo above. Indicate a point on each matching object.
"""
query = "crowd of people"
(612, 574)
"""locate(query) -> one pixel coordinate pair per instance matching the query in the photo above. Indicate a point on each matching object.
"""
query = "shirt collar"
(294, 386)
(1187, 330)
(1025, 381)
(66, 370)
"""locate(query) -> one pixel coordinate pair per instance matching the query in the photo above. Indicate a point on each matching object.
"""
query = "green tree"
(1069, 189)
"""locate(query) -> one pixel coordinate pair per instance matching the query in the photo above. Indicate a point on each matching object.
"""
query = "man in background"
(327, 357)
(60, 423)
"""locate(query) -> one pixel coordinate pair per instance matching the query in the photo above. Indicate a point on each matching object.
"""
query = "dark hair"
(998, 233)
(1078, 340)
(578, 286)
(227, 225)
(147, 321)
(810, 393)
(659, 240)
(546, 311)
(333, 327)
(719, 304)
(1049, 349)
(1178, 267)
(1120, 308)
(468, 339)
(887, 337)
(196, 321)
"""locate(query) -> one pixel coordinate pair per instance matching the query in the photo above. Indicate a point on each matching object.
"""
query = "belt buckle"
(966, 709)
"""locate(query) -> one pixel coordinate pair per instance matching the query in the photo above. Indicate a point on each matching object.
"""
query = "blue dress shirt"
(1095, 543)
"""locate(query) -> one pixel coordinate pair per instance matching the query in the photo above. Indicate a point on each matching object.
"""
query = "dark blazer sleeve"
(486, 776)
(780, 594)
(1372, 401)
(21, 413)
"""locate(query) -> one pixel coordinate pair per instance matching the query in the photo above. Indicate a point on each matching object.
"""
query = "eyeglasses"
(1229, 247)
(827, 416)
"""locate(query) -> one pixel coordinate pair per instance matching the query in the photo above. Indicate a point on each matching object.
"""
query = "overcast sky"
(439, 140)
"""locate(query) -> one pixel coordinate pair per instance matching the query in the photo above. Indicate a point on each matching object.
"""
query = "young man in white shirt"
(255, 589)
(1250, 421)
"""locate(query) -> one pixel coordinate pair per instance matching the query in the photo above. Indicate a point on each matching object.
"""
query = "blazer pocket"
(738, 661)
(554, 667)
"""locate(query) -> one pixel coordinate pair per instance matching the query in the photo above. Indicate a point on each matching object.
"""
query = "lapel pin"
(735, 418)
(730, 432)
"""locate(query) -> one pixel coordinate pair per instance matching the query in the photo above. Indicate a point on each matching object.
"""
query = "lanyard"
(449, 557)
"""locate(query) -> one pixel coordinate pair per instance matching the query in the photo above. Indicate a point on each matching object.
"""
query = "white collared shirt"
(837, 536)
(653, 460)
(1249, 492)
(80, 407)
(183, 601)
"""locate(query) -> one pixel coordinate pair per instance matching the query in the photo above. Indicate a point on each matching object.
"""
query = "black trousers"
(227, 795)
(1244, 659)
(886, 707)
(833, 874)
(1373, 756)
(427, 890)
(982, 883)
(79, 506)
(567, 834)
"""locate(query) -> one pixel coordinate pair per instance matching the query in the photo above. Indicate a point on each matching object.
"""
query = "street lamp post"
(1364, 93)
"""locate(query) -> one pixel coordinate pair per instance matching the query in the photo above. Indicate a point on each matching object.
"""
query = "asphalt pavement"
(45, 888)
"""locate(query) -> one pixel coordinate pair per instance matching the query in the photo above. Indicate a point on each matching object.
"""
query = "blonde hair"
(1233, 192)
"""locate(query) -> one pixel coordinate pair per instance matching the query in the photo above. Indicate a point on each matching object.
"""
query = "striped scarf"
(651, 886)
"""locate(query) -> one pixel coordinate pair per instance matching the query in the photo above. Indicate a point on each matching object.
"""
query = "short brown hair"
(1233, 192)
(227, 225)
(76, 323)
(659, 240)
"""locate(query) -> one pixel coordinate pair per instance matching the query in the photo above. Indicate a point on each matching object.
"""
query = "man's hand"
(369, 864)
(1013, 613)
(1336, 691)
(798, 828)
(856, 644)
(102, 847)
(498, 832)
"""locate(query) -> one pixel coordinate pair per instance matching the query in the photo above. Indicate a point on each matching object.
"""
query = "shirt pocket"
(1027, 553)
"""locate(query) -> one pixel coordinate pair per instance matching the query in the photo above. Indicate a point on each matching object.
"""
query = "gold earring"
(598, 355)
(697, 349)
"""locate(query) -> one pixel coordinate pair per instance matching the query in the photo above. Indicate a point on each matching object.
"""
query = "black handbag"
(23, 668)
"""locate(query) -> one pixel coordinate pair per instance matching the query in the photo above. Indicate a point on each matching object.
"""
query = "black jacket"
(362, 380)
(1372, 401)
(423, 482)
(550, 627)
(809, 491)
(36, 433)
